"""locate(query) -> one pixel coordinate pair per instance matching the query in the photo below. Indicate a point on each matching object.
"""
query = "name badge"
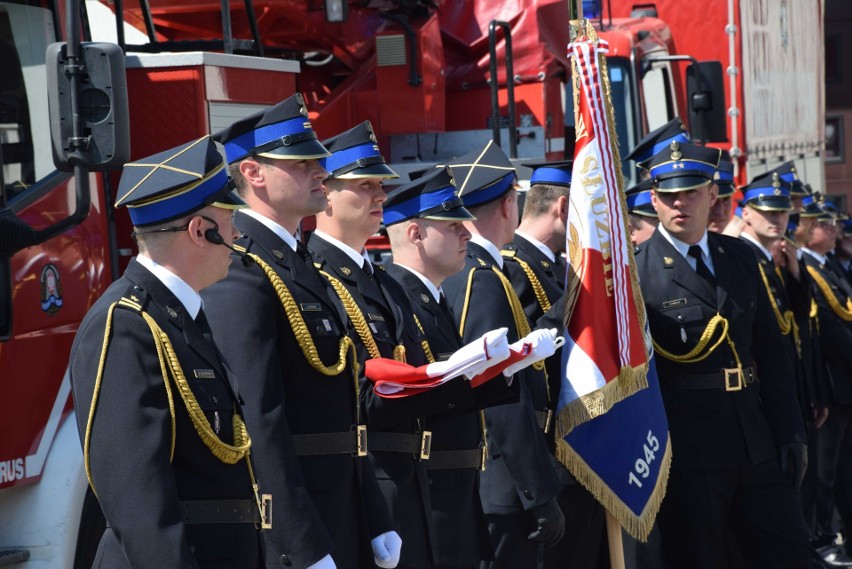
(204, 374)
(675, 302)
(376, 317)
(310, 307)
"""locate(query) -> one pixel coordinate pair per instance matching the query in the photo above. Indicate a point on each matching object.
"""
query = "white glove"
(543, 344)
(325, 563)
(386, 549)
(488, 350)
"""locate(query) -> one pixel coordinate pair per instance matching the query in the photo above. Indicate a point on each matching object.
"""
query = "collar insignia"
(171, 312)
(545, 264)
(346, 271)
(668, 261)
(424, 298)
(277, 254)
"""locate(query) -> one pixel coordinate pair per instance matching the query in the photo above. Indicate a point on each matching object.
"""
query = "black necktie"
(302, 251)
(442, 302)
(700, 267)
(368, 268)
(204, 326)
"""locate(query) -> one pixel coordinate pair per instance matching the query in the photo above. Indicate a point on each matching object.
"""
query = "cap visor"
(371, 171)
(229, 200)
(725, 190)
(681, 183)
(305, 150)
(770, 204)
(644, 211)
(455, 214)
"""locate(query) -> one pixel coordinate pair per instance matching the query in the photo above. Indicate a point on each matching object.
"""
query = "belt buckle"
(733, 372)
(266, 511)
(361, 440)
(425, 444)
(547, 420)
(483, 456)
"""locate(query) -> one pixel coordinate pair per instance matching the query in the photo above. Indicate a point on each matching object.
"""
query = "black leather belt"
(544, 419)
(220, 512)
(418, 444)
(352, 442)
(452, 459)
(727, 379)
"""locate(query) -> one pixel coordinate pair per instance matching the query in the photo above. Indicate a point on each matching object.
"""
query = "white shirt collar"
(190, 299)
(819, 257)
(435, 290)
(538, 245)
(683, 248)
(490, 247)
(357, 258)
(765, 251)
(273, 226)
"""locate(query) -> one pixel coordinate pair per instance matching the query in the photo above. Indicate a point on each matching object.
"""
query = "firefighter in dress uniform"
(519, 487)
(381, 317)
(425, 224)
(165, 444)
(833, 295)
(283, 330)
(641, 215)
(738, 442)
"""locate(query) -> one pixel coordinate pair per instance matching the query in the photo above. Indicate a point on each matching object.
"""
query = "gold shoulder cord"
(170, 367)
(845, 314)
(425, 343)
(786, 321)
(358, 321)
(521, 322)
(540, 295)
(696, 355)
(300, 329)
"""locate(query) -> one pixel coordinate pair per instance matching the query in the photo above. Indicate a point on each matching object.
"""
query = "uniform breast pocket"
(321, 325)
(211, 392)
(381, 331)
(677, 320)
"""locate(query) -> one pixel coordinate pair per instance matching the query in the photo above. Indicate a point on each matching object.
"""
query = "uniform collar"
(190, 299)
(357, 258)
(435, 290)
(273, 226)
(538, 245)
(757, 243)
(821, 258)
(490, 247)
(683, 248)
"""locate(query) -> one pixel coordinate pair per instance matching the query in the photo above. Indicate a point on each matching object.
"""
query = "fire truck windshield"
(25, 32)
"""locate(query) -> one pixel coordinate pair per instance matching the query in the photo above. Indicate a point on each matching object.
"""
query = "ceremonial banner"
(612, 432)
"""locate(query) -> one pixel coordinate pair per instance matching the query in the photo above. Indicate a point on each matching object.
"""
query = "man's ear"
(562, 208)
(195, 230)
(252, 172)
(506, 204)
(414, 232)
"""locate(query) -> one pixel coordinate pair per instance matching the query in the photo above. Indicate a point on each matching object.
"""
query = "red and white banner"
(605, 359)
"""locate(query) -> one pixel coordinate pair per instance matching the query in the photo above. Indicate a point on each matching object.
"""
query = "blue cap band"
(638, 199)
(189, 201)
(241, 146)
(660, 146)
(765, 192)
(808, 200)
(685, 167)
(546, 175)
(416, 205)
(349, 156)
(489, 193)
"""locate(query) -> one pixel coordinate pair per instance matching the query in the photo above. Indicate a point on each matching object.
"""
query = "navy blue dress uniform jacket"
(402, 477)
(138, 485)
(460, 529)
(291, 397)
(795, 296)
(716, 429)
(835, 334)
(519, 473)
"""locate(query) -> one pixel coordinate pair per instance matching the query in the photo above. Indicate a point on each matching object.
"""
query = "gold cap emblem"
(776, 184)
(676, 154)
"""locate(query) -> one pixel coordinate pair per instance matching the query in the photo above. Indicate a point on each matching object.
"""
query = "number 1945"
(641, 467)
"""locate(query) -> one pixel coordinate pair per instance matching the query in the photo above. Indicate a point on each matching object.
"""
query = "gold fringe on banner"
(639, 526)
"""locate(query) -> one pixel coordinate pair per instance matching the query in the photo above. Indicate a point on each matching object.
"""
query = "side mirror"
(705, 97)
(103, 142)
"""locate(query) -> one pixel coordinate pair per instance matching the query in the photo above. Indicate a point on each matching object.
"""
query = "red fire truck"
(435, 81)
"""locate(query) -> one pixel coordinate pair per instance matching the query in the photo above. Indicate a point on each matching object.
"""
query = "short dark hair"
(237, 176)
(540, 197)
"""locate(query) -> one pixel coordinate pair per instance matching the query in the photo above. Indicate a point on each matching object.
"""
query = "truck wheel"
(92, 527)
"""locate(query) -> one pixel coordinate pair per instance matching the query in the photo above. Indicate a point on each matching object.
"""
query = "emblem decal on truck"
(51, 289)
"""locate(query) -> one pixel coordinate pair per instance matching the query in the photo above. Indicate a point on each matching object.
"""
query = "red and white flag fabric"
(604, 339)
(611, 431)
